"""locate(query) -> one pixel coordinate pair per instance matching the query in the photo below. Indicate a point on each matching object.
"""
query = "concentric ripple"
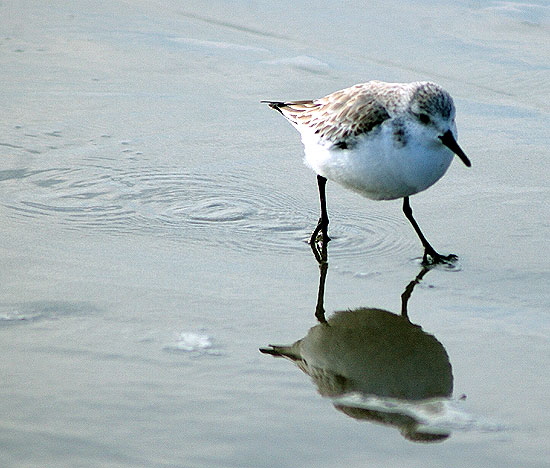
(230, 208)
(371, 234)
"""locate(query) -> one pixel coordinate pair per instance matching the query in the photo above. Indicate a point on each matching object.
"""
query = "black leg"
(322, 225)
(409, 289)
(429, 251)
(320, 306)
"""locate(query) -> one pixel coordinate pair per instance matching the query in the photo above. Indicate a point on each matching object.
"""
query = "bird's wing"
(339, 117)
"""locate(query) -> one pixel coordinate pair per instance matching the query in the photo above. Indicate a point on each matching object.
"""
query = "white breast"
(378, 167)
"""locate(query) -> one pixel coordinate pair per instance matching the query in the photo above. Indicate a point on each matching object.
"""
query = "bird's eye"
(424, 118)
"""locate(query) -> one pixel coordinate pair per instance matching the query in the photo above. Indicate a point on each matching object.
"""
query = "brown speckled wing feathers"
(339, 117)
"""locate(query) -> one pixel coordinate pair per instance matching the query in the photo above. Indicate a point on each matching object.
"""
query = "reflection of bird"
(382, 140)
(375, 353)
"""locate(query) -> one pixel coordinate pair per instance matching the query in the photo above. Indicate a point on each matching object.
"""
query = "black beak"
(449, 141)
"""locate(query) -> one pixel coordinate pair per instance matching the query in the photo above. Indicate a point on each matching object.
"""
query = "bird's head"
(433, 110)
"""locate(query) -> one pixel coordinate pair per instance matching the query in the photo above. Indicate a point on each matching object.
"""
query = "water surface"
(153, 224)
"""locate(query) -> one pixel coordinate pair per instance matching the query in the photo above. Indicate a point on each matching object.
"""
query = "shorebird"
(382, 140)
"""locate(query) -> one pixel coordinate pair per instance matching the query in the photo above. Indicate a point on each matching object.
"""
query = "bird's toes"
(433, 258)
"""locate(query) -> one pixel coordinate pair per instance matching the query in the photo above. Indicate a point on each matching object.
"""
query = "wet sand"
(154, 216)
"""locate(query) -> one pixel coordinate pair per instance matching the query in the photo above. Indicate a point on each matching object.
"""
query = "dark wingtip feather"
(280, 351)
(271, 351)
(274, 105)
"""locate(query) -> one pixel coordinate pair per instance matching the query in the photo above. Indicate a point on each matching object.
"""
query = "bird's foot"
(431, 257)
(319, 238)
(319, 234)
(319, 242)
(320, 251)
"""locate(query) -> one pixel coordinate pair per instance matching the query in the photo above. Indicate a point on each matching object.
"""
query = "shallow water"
(154, 216)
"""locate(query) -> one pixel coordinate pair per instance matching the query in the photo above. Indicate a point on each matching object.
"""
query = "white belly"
(377, 168)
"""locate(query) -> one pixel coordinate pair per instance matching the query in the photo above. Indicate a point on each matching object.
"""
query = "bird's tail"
(281, 351)
(275, 105)
(292, 110)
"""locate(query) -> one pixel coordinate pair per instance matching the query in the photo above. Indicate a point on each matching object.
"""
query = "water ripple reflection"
(234, 208)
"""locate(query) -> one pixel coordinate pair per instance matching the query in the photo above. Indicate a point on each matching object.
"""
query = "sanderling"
(382, 140)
